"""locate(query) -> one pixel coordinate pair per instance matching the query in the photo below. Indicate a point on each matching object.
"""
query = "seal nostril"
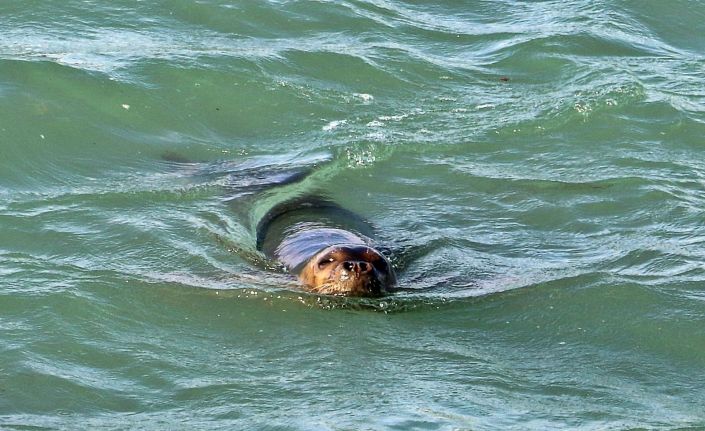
(348, 266)
(364, 267)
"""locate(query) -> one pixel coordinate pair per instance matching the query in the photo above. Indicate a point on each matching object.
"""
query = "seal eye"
(325, 261)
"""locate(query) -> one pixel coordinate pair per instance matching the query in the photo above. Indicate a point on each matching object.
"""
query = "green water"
(541, 164)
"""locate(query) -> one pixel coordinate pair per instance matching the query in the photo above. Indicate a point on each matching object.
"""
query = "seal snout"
(358, 267)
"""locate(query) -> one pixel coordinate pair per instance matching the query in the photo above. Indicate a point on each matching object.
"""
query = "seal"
(330, 249)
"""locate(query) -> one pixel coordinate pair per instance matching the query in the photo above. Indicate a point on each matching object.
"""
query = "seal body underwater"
(329, 248)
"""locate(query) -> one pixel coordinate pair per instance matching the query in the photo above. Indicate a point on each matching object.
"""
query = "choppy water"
(543, 162)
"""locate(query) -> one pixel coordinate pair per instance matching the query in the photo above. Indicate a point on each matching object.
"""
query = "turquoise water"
(539, 164)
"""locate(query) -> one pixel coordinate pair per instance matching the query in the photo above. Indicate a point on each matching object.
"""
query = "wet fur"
(299, 233)
(348, 270)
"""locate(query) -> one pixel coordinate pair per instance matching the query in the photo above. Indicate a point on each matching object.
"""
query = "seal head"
(326, 246)
(349, 270)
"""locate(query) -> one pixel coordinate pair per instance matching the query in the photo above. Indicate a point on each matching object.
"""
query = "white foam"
(366, 98)
(485, 106)
(334, 125)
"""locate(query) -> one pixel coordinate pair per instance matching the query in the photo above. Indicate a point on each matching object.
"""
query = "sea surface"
(539, 167)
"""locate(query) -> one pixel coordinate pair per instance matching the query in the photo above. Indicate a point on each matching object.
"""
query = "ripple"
(536, 167)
